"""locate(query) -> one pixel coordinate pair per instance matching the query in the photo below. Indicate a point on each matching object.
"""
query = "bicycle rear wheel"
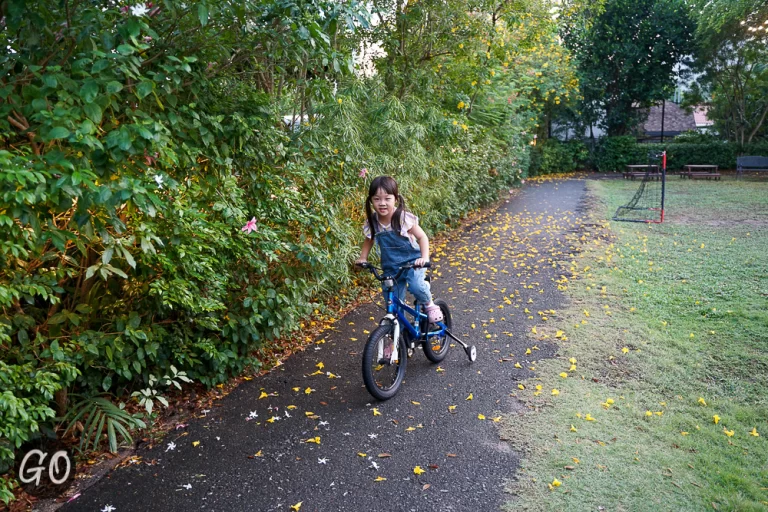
(381, 374)
(436, 347)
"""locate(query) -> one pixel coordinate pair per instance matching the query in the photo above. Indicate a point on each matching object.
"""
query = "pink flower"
(250, 226)
(363, 172)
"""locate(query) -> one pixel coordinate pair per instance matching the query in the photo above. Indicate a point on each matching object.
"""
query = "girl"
(401, 242)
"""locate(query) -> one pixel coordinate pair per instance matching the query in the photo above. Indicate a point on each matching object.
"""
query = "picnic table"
(700, 171)
(633, 171)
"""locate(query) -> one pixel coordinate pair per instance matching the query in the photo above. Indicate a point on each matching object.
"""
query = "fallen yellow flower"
(417, 470)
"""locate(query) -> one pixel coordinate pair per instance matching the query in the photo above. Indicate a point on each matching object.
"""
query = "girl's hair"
(388, 185)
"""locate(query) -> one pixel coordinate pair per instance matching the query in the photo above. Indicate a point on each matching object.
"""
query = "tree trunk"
(61, 399)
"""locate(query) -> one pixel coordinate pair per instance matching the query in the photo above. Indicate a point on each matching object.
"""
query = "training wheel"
(471, 353)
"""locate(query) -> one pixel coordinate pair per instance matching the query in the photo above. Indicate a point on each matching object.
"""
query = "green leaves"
(202, 13)
(59, 132)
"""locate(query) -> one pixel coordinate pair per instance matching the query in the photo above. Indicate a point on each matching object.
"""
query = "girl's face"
(383, 203)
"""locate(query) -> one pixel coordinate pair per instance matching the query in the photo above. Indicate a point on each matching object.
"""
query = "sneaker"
(434, 314)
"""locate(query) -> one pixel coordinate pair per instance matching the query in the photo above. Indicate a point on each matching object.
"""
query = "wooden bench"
(705, 175)
(751, 163)
(704, 171)
(633, 171)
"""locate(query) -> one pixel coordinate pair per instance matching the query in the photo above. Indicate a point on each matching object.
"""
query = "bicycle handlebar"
(374, 270)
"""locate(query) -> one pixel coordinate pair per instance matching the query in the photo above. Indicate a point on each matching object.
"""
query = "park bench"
(700, 171)
(705, 175)
(633, 171)
(751, 163)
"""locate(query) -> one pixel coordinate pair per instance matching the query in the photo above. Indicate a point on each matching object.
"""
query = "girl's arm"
(367, 246)
(423, 241)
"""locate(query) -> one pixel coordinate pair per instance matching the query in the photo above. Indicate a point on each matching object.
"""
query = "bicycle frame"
(398, 308)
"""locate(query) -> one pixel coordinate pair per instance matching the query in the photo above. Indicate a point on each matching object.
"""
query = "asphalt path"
(308, 432)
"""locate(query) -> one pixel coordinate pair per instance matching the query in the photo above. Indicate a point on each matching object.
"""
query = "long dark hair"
(388, 185)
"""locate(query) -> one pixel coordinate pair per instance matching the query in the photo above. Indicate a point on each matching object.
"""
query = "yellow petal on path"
(195, 443)
(452, 408)
(376, 412)
(258, 454)
(496, 419)
(469, 397)
(308, 413)
(315, 440)
(296, 389)
(379, 479)
(297, 506)
(308, 391)
(520, 386)
(417, 470)
(361, 454)
(414, 402)
(291, 407)
(263, 395)
(410, 429)
(320, 365)
(702, 401)
(481, 416)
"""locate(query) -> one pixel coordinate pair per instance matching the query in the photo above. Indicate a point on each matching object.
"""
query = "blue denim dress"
(396, 250)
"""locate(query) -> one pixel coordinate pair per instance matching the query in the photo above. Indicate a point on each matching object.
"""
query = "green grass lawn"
(668, 325)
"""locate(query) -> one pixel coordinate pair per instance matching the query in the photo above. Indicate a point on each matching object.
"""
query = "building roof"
(676, 120)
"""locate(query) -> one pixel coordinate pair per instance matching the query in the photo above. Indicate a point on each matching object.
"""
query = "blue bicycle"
(394, 340)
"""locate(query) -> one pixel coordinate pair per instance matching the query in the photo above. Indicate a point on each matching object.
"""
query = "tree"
(732, 59)
(627, 57)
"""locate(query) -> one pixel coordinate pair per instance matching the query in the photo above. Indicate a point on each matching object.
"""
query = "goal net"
(647, 205)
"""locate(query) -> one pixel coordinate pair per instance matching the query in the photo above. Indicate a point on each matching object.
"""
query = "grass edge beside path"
(662, 371)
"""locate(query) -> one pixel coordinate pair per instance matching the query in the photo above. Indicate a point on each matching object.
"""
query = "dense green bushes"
(613, 153)
(554, 156)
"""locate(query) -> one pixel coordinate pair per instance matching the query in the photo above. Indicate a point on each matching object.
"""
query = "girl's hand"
(420, 262)
(361, 260)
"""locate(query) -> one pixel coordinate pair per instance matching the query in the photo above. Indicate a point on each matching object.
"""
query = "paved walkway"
(251, 452)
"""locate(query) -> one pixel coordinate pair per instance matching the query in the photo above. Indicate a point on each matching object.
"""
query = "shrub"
(613, 153)
(554, 156)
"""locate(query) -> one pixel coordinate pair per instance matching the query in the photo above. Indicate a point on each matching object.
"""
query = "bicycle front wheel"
(383, 373)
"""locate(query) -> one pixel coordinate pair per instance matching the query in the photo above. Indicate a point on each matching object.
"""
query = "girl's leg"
(421, 289)
(418, 286)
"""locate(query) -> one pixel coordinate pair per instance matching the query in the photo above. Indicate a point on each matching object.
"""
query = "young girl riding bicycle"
(401, 242)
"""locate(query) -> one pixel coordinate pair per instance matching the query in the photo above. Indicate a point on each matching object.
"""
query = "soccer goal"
(647, 205)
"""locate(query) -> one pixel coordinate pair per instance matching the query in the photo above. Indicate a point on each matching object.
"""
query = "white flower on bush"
(139, 10)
